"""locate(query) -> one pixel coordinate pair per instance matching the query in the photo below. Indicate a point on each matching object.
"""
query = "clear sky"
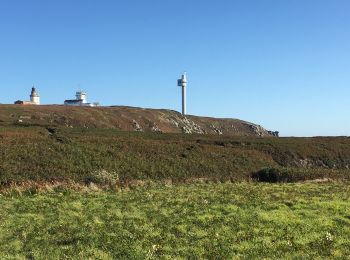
(282, 64)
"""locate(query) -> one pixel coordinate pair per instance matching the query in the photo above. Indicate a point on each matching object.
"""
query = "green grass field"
(215, 221)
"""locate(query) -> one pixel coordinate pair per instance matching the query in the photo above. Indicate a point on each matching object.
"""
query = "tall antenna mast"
(183, 83)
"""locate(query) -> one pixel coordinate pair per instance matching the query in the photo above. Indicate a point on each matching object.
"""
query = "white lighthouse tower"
(34, 97)
(81, 95)
(183, 83)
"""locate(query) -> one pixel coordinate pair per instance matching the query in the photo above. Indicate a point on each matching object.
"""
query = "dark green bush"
(274, 175)
(268, 175)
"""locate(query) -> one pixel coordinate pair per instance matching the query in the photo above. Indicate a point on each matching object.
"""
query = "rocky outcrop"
(136, 126)
(274, 133)
(190, 127)
(257, 129)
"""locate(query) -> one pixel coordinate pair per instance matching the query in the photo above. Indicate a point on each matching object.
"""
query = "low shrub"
(267, 175)
(274, 175)
(103, 177)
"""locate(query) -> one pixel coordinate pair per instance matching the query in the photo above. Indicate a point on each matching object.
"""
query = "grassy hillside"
(126, 119)
(74, 185)
(111, 157)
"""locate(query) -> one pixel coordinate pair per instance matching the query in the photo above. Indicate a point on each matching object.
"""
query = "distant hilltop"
(126, 119)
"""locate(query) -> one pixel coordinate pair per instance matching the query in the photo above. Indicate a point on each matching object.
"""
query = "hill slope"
(126, 119)
(41, 154)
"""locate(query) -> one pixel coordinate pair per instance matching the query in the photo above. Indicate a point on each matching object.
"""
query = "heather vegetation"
(111, 157)
(124, 118)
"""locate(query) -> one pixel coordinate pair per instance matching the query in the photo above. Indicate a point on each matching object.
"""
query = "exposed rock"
(173, 122)
(217, 130)
(274, 133)
(25, 117)
(155, 128)
(136, 126)
(258, 130)
(190, 127)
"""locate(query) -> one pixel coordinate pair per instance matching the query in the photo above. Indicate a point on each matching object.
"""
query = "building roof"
(73, 100)
(21, 102)
(34, 93)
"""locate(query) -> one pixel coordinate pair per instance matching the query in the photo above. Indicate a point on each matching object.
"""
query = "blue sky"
(282, 64)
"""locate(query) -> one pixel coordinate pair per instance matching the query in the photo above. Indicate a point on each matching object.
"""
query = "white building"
(34, 99)
(80, 100)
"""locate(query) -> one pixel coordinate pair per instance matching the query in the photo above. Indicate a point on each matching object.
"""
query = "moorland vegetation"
(73, 187)
(110, 157)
